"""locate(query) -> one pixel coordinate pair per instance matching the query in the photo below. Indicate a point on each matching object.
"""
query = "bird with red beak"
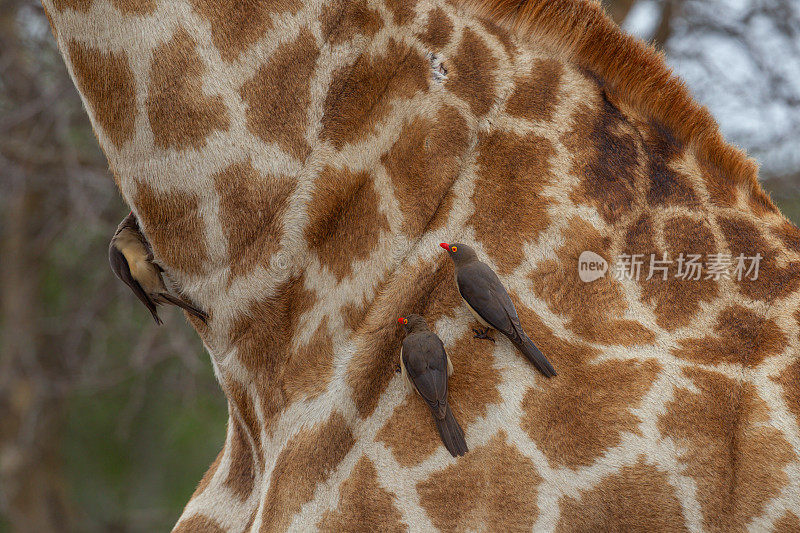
(425, 367)
(490, 304)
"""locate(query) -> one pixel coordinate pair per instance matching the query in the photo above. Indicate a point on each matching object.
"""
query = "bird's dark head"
(129, 223)
(412, 323)
(459, 253)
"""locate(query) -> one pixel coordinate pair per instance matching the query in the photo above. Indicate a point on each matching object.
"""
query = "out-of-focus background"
(106, 421)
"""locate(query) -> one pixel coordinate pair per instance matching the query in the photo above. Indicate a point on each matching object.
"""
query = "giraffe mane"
(637, 73)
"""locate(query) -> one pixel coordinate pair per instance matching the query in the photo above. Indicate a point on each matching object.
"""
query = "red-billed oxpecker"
(489, 302)
(425, 367)
(131, 260)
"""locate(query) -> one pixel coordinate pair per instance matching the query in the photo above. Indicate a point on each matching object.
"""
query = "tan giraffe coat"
(295, 163)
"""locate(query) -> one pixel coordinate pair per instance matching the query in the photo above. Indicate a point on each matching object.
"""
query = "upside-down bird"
(425, 367)
(131, 259)
(489, 302)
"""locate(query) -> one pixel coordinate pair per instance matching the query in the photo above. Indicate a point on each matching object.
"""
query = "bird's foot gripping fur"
(483, 334)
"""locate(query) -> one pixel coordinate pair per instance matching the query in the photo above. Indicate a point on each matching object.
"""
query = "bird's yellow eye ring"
(454, 249)
(405, 321)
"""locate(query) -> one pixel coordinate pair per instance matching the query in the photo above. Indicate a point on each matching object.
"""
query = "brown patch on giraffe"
(272, 398)
(502, 35)
(439, 29)
(170, 220)
(675, 300)
(637, 498)
(740, 337)
(403, 11)
(591, 308)
(198, 524)
(443, 213)
(235, 25)
(668, 187)
(424, 163)
(723, 435)
(536, 94)
(790, 381)
(353, 314)
(242, 470)
(279, 95)
(263, 332)
(744, 237)
(789, 523)
(472, 73)
(342, 20)
(491, 488)
(576, 418)
(509, 207)
(364, 505)
(308, 459)
(790, 235)
(135, 7)
(262, 335)
(362, 95)
(345, 219)
(425, 289)
(77, 5)
(471, 389)
(310, 369)
(208, 476)
(238, 394)
(181, 114)
(605, 158)
(252, 208)
(106, 81)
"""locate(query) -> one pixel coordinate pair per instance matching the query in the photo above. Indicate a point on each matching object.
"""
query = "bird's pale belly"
(476, 315)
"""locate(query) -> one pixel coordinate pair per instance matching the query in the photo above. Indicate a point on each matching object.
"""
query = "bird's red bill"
(445, 246)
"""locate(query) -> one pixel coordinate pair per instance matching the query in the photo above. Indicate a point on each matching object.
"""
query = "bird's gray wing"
(483, 291)
(120, 267)
(426, 364)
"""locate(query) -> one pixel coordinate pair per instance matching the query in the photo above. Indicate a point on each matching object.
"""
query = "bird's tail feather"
(155, 315)
(189, 308)
(535, 356)
(451, 433)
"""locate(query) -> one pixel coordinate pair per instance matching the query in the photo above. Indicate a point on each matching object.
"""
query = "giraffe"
(295, 163)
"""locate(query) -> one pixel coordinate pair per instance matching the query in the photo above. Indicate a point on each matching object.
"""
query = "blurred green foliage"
(787, 197)
(137, 472)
